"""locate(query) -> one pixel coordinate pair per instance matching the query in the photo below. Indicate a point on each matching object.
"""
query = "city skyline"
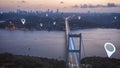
(63, 5)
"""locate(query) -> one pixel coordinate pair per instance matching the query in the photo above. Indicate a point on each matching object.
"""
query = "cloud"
(91, 6)
(12, 1)
(61, 2)
(23, 1)
(112, 5)
(96, 6)
(18, 6)
(75, 6)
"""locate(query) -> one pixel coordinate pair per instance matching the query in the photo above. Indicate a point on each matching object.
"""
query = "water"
(52, 44)
(94, 40)
(34, 43)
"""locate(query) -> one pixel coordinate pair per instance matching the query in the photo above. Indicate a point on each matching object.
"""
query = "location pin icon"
(23, 21)
(110, 49)
(79, 17)
(41, 24)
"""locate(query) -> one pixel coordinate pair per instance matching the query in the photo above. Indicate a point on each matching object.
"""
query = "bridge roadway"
(72, 58)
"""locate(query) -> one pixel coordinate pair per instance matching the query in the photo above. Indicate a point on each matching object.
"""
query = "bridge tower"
(75, 60)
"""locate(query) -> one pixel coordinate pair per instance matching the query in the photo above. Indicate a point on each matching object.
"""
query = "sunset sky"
(62, 5)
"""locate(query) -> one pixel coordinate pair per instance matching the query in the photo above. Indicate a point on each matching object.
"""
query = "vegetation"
(99, 62)
(8, 60)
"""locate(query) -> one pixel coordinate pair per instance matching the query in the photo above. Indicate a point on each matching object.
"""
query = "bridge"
(73, 55)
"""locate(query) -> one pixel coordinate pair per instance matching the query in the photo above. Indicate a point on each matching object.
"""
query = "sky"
(63, 5)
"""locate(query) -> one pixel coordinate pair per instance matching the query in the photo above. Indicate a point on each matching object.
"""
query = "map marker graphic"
(23, 21)
(110, 49)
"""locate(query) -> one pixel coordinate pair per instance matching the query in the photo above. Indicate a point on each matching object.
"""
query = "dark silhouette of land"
(101, 62)
(8, 60)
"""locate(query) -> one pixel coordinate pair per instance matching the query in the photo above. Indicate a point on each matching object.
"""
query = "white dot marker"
(110, 49)
(23, 21)
(41, 24)
(115, 17)
(46, 15)
(79, 17)
(54, 23)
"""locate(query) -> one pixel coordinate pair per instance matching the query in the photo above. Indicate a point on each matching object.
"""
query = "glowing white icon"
(79, 17)
(41, 24)
(23, 21)
(115, 17)
(46, 15)
(54, 23)
(110, 49)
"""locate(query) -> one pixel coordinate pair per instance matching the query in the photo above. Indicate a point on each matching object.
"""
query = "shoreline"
(21, 29)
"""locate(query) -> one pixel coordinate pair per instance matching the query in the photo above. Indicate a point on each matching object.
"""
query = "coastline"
(20, 61)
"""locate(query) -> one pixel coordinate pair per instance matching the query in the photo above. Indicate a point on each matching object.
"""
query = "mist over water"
(52, 44)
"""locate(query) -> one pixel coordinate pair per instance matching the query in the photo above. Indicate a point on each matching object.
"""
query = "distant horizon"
(54, 11)
(74, 6)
